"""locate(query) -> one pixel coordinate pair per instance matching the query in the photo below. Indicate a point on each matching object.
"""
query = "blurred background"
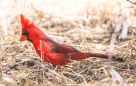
(100, 26)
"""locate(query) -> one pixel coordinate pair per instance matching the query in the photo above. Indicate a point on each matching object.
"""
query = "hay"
(87, 25)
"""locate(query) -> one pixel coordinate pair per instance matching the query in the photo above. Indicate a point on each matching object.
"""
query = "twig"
(132, 2)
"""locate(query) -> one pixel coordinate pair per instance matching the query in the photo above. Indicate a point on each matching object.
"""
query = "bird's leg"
(56, 67)
(53, 66)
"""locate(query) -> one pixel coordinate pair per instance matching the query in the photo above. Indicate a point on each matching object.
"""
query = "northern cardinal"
(52, 51)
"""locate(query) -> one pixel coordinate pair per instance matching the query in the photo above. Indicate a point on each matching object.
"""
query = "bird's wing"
(59, 48)
(63, 48)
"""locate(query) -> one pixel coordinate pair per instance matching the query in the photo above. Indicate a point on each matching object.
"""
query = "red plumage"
(51, 51)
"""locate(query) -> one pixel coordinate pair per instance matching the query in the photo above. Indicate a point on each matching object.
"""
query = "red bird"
(52, 51)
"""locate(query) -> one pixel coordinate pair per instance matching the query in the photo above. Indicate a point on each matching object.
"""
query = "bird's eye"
(26, 33)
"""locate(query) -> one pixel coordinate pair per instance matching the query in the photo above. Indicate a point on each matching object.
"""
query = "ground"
(100, 26)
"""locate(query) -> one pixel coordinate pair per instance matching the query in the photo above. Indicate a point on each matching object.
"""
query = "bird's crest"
(24, 21)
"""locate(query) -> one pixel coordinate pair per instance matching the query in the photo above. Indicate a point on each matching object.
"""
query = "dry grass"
(87, 25)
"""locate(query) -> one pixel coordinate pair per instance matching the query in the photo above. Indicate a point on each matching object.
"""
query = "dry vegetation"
(87, 25)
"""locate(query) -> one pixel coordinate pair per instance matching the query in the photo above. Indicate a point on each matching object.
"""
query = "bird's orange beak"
(23, 38)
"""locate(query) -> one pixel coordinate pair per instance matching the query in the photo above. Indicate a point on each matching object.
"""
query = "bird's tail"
(81, 55)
